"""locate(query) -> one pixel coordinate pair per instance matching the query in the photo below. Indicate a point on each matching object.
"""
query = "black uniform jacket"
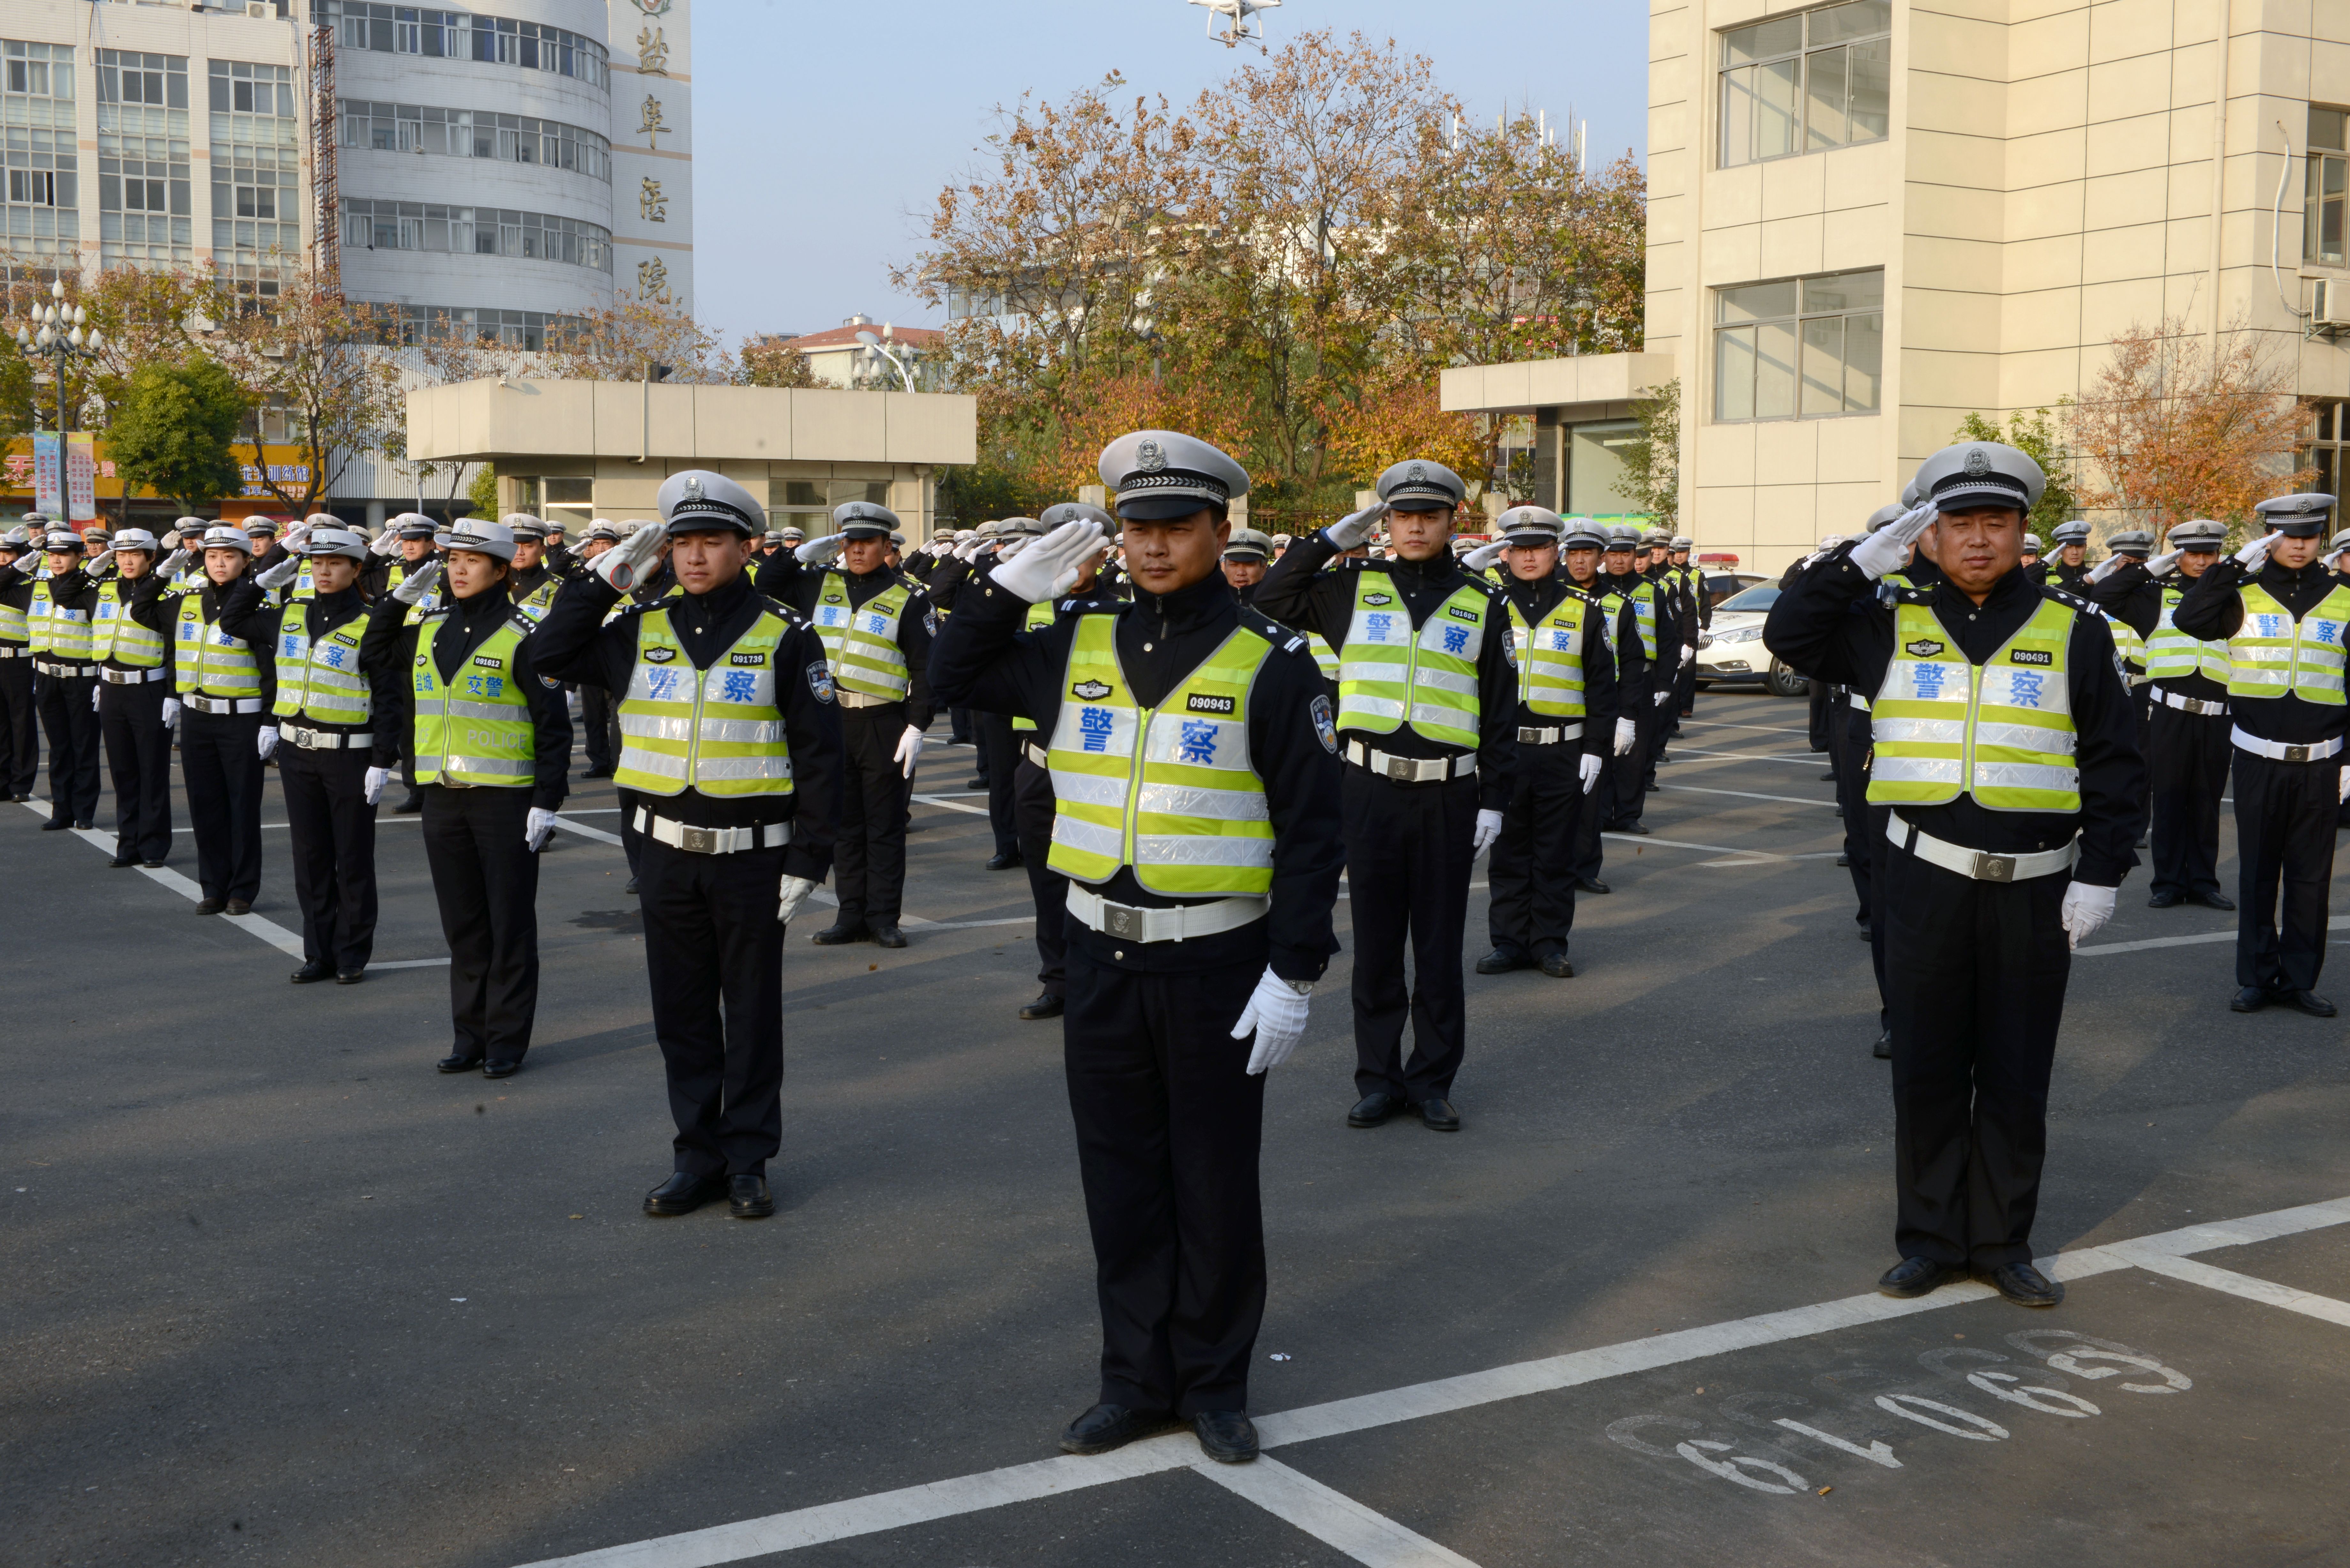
(159, 612)
(781, 577)
(1832, 623)
(1538, 599)
(1637, 675)
(573, 644)
(390, 647)
(983, 659)
(1296, 591)
(247, 614)
(2213, 609)
(2133, 596)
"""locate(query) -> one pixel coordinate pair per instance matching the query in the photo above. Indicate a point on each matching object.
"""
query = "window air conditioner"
(259, 8)
(2330, 302)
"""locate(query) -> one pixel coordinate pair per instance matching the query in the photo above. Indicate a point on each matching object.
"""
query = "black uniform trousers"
(1531, 868)
(1627, 774)
(869, 857)
(1410, 850)
(2187, 761)
(1684, 693)
(1849, 757)
(1168, 1121)
(485, 879)
(2284, 839)
(1000, 744)
(138, 758)
(71, 725)
(1033, 805)
(221, 770)
(332, 831)
(599, 718)
(1821, 697)
(1975, 975)
(714, 955)
(20, 732)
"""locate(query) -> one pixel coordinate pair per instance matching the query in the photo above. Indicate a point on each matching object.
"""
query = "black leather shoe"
(1638, 829)
(979, 783)
(1107, 1427)
(1555, 966)
(2307, 1002)
(496, 1067)
(1589, 885)
(887, 935)
(1828, 777)
(349, 976)
(1437, 1116)
(2024, 1285)
(1917, 1276)
(2169, 897)
(56, 825)
(1004, 863)
(1883, 1049)
(1226, 1436)
(1502, 961)
(454, 1063)
(311, 970)
(2251, 998)
(120, 862)
(596, 774)
(240, 906)
(685, 1193)
(631, 888)
(1372, 1108)
(1841, 858)
(84, 825)
(1045, 1006)
(1863, 931)
(210, 905)
(838, 933)
(150, 865)
(409, 807)
(2212, 900)
(747, 1197)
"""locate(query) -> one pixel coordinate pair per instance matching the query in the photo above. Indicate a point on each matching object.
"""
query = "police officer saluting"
(2006, 750)
(1244, 560)
(135, 705)
(62, 617)
(1193, 757)
(729, 746)
(535, 582)
(1427, 699)
(2068, 568)
(20, 735)
(2286, 621)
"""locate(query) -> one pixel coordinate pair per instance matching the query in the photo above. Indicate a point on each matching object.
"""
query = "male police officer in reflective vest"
(1193, 760)
(62, 621)
(2286, 620)
(1427, 710)
(20, 733)
(1645, 673)
(729, 748)
(2007, 751)
(135, 706)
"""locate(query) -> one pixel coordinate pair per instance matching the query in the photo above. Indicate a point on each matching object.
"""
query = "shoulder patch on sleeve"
(819, 679)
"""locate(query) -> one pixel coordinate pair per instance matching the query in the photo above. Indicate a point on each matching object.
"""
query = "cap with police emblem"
(1529, 527)
(1248, 544)
(59, 539)
(523, 525)
(2077, 532)
(262, 527)
(1621, 536)
(1581, 534)
(136, 539)
(1162, 475)
(1892, 511)
(772, 536)
(1078, 511)
(480, 535)
(2032, 543)
(2300, 516)
(1415, 484)
(336, 541)
(795, 535)
(1653, 537)
(1020, 528)
(2136, 543)
(414, 525)
(1684, 542)
(864, 520)
(94, 531)
(1980, 473)
(698, 500)
(2200, 535)
(227, 537)
(599, 529)
(1830, 541)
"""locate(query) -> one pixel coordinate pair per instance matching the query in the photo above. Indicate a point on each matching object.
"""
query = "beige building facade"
(1868, 220)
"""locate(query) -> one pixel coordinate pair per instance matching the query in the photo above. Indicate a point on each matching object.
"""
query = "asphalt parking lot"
(277, 1293)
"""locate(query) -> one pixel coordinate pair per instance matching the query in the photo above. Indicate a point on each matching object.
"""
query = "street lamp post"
(55, 332)
(873, 346)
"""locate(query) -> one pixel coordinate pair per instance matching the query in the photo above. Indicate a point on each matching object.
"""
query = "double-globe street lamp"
(56, 332)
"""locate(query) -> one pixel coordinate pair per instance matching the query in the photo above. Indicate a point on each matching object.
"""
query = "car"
(1735, 655)
(1720, 585)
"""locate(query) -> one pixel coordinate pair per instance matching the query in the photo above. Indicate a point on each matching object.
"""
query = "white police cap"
(480, 535)
(1248, 544)
(1980, 473)
(336, 541)
(792, 533)
(2077, 532)
(1581, 534)
(1418, 484)
(1078, 510)
(864, 520)
(414, 525)
(322, 520)
(2298, 516)
(2032, 544)
(696, 501)
(2201, 534)
(1159, 475)
(227, 537)
(1684, 542)
(1652, 538)
(2136, 542)
(601, 529)
(59, 539)
(1830, 541)
(1019, 528)
(523, 525)
(136, 539)
(1911, 494)
(1891, 512)
(1530, 525)
(1621, 536)
(181, 524)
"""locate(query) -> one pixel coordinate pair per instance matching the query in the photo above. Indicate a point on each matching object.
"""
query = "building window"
(476, 133)
(1807, 82)
(2321, 193)
(257, 164)
(2328, 434)
(1802, 348)
(143, 191)
(454, 35)
(807, 504)
(42, 190)
(474, 230)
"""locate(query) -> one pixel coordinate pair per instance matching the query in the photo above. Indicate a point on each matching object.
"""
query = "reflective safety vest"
(210, 661)
(861, 644)
(16, 626)
(36, 619)
(2127, 643)
(304, 586)
(120, 638)
(1040, 616)
(720, 730)
(1550, 660)
(2272, 653)
(1389, 674)
(67, 633)
(1325, 657)
(2172, 655)
(1643, 601)
(318, 678)
(1169, 790)
(539, 600)
(475, 730)
(2001, 731)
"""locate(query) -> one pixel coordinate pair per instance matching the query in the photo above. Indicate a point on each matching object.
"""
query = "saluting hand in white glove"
(283, 573)
(909, 749)
(793, 892)
(2086, 910)
(1277, 1011)
(386, 542)
(2164, 562)
(1484, 555)
(623, 565)
(820, 550)
(2104, 568)
(1589, 769)
(418, 583)
(174, 563)
(1887, 549)
(1627, 734)
(1050, 566)
(2253, 556)
(1354, 528)
(1489, 828)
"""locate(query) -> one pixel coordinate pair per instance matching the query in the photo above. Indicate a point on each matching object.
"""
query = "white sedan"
(1735, 655)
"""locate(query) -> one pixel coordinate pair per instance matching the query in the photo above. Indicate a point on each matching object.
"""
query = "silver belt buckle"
(1403, 770)
(1994, 867)
(699, 840)
(2296, 754)
(1122, 920)
(308, 739)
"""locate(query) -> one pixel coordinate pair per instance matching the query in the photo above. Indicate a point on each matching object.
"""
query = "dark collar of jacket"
(1439, 571)
(1537, 598)
(1202, 603)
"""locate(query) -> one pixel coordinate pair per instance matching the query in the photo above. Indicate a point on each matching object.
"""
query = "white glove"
(385, 543)
(418, 583)
(1484, 555)
(2254, 554)
(97, 564)
(266, 741)
(968, 546)
(296, 538)
(375, 783)
(820, 550)
(283, 573)
(171, 541)
(1689, 654)
(2164, 562)
(93, 697)
(2343, 793)
(1589, 769)
(1627, 735)
(1663, 698)
(539, 828)
(1050, 566)
(2104, 568)
(1355, 528)
(170, 711)
(909, 749)
(621, 566)
(794, 892)
(1277, 1011)
(2084, 910)
(1489, 828)
(1887, 549)
(176, 561)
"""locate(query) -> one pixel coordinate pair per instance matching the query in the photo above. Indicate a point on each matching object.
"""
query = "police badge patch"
(1089, 691)
(1924, 647)
(1379, 598)
(1323, 728)
(820, 680)
(659, 655)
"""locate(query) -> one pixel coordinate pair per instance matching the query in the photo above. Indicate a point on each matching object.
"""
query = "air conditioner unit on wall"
(259, 8)
(2329, 302)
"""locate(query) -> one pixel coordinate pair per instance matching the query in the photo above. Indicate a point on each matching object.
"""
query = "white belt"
(15, 650)
(2277, 751)
(2134, 681)
(711, 840)
(131, 677)
(1409, 769)
(1173, 925)
(46, 667)
(2188, 704)
(204, 704)
(862, 699)
(1978, 864)
(1859, 701)
(1549, 735)
(1034, 752)
(321, 740)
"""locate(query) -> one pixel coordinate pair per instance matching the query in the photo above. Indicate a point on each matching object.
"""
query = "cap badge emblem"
(692, 489)
(1978, 462)
(1149, 457)
(1416, 473)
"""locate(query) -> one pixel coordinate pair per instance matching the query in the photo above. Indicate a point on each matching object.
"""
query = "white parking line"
(1800, 759)
(1330, 1516)
(2332, 923)
(1749, 795)
(2246, 1286)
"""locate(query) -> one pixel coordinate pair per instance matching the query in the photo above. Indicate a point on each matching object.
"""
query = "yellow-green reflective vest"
(861, 644)
(16, 626)
(318, 678)
(1040, 616)
(36, 620)
(120, 638)
(2172, 655)
(539, 600)
(720, 730)
(2001, 731)
(1550, 660)
(1169, 790)
(210, 661)
(1325, 657)
(304, 586)
(477, 729)
(2272, 653)
(1643, 601)
(2127, 643)
(1389, 674)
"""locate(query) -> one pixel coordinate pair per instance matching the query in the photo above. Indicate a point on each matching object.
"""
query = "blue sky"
(823, 133)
